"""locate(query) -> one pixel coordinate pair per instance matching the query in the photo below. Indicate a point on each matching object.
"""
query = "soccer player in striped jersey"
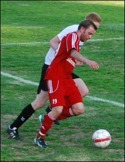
(42, 94)
(59, 78)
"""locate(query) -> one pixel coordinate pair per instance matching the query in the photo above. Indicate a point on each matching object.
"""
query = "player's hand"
(92, 64)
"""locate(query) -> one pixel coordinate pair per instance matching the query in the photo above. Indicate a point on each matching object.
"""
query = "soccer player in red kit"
(42, 91)
(59, 78)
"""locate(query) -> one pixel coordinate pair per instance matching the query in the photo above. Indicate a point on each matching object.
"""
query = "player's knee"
(37, 104)
(55, 112)
(58, 111)
(79, 110)
(84, 92)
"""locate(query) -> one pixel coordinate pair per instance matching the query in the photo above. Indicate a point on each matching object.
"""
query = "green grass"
(39, 21)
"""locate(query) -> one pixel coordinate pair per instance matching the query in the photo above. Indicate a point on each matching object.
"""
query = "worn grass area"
(39, 21)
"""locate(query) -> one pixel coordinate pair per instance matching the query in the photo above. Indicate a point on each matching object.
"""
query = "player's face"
(87, 34)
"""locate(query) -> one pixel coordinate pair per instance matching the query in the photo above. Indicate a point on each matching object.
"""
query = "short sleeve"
(72, 42)
(67, 30)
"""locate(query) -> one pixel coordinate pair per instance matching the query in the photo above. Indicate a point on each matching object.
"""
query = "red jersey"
(63, 64)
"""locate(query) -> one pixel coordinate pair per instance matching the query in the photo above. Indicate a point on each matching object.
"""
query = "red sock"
(66, 113)
(46, 125)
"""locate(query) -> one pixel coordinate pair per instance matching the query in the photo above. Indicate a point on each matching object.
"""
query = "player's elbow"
(54, 42)
(51, 42)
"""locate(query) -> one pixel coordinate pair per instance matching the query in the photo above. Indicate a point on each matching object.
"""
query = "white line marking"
(28, 27)
(36, 84)
(19, 79)
(25, 44)
(44, 43)
(108, 39)
(24, 5)
(107, 101)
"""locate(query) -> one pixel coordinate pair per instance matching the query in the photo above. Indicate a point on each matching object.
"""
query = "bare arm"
(79, 57)
(54, 42)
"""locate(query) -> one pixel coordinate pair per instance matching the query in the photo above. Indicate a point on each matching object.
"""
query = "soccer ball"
(101, 138)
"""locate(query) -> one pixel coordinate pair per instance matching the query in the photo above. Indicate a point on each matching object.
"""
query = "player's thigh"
(56, 93)
(81, 86)
(40, 100)
(43, 95)
(72, 92)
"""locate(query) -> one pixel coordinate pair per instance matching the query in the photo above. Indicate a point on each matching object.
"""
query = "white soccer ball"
(101, 138)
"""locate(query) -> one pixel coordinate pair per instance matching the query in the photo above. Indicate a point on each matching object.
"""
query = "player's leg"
(27, 112)
(81, 85)
(46, 125)
(73, 101)
(67, 110)
(40, 100)
(83, 91)
(82, 88)
(77, 110)
(56, 97)
(79, 107)
(41, 116)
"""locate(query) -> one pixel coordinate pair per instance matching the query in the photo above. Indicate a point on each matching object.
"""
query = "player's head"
(86, 24)
(86, 30)
(95, 18)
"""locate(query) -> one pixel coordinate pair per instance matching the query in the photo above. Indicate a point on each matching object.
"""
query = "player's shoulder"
(75, 27)
(67, 30)
(70, 28)
(73, 34)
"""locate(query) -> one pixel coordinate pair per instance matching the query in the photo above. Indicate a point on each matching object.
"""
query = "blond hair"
(93, 17)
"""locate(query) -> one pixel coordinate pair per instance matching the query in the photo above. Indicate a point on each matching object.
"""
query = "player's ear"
(81, 29)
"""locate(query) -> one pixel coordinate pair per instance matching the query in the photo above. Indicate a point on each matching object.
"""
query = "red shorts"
(59, 90)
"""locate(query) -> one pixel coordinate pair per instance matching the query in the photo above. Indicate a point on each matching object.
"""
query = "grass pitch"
(34, 23)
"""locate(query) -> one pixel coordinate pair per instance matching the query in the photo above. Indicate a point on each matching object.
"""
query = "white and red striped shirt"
(51, 53)
(63, 64)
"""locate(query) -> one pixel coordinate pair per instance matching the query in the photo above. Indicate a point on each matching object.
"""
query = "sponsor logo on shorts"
(54, 101)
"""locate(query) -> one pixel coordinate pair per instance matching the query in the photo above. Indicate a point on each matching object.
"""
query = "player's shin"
(46, 125)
